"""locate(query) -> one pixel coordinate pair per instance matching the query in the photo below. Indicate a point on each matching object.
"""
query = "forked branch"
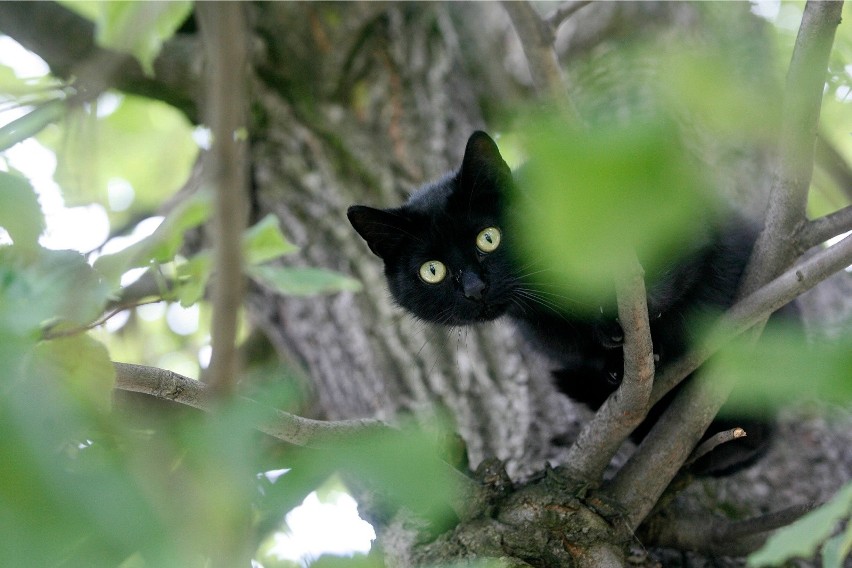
(643, 479)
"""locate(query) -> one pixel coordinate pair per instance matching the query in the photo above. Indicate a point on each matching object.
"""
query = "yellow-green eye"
(433, 271)
(488, 239)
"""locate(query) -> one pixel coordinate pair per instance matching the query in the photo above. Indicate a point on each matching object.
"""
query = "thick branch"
(639, 484)
(774, 251)
(224, 29)
(626, 408)
(74, 54)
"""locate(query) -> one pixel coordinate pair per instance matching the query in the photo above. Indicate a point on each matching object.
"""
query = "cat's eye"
(433, 271)
(488, 239)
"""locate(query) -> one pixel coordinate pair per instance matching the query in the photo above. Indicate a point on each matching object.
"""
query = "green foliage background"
(82, 486)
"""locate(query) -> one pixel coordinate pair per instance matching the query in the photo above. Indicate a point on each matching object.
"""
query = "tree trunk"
(361, 104)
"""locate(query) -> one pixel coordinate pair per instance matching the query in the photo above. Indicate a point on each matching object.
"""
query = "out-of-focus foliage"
(83, 485)
(134, 27)
(595, 194)
(122, 139)
(803, 538)
(782, 368)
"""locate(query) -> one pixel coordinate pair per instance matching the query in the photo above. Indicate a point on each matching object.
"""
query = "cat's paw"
(608, 332)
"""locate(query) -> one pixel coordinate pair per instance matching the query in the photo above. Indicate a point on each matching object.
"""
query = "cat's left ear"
(382, 229)
(483, 166)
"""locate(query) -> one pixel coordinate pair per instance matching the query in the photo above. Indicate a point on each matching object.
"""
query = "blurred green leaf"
(783, 368)
(802, 538)
(163, 244)
(146, 142)
(193, 276)
(837, 549)
(261, 242)
(50, 286)
(302, 281)
(588, 197)
(81, 363)
(20, 212)
(137, 28)
(264, 241)
(31, 123)
(354, 561)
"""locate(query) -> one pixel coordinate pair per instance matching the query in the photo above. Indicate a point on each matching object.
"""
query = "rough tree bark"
(360, 103)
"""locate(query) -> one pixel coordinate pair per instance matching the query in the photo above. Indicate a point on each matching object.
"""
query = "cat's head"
(445, 250)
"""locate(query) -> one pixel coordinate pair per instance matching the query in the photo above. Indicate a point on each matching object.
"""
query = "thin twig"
(224, 29)
(822, 229)
(714, 442)
(563, 12)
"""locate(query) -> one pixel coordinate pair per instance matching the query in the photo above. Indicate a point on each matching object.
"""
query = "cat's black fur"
(441, 221)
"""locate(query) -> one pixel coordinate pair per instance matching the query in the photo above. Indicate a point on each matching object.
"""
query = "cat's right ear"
(382, 229)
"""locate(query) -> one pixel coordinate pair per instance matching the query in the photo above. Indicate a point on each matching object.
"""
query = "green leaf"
(48, 286)
(802, 538)
(145, 142)
(193, 276)
(782, 368)
(81, 363)
(162, 245)
(31, 123)
(137, 28)
(302, 281)
(264, 241)
(587, 197)
(20, 212)
(837, 549)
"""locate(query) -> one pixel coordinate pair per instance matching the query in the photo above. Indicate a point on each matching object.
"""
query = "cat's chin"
(485, 313)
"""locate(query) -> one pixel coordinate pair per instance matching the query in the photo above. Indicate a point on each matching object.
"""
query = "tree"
(360, 103)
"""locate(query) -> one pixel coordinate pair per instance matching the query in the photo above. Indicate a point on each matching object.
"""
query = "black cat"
(451, 259)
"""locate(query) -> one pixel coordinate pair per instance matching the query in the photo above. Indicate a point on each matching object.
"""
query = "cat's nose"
(472, 285)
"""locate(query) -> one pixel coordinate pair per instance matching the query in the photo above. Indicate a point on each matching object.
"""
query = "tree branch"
(625, 409)
(537, 38)
(639, 484)
(774, 250)
(715, 535)
(287, 427)
(714, 442)
(754, 309)
(284, 426)
(224, 29)
(74, 54)
(820, 230)
(563, 12)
